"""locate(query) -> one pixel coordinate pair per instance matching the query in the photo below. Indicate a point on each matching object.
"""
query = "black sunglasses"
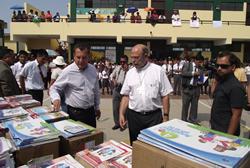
(223, 66)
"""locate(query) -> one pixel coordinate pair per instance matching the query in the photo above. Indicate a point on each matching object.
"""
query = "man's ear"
(233, 67)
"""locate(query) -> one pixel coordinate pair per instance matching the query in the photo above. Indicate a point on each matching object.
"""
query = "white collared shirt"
(80, 87)
(33, 77)
(16, 70)
(146, 87)
(177, 67)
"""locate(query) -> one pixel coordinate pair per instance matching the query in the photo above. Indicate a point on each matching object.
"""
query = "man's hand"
(165, 118)
(57, 105)
(97, 114)
(123, 121)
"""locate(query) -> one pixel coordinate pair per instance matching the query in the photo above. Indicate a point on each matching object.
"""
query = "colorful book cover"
(18, 97)
(55, 116)
(13, 112)
(31, 131)
(122, 161)
(29, 103)
(103, 152)
(5, 146)
(66, 161)
(4, 104)
(70, 128)
(213, 146)
(39, 110)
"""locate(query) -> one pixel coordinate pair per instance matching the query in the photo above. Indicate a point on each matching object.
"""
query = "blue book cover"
(213, 146)
(34, 130)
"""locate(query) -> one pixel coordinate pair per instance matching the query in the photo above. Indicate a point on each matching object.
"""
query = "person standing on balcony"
(56, 18)
(132, 18)
(79, 83)
(48, 16)
(138, 18)
(144, 92)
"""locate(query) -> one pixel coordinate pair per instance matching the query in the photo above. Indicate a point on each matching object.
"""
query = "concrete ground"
(106, 123)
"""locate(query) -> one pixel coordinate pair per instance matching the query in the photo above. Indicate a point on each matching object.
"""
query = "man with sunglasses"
(228, 95)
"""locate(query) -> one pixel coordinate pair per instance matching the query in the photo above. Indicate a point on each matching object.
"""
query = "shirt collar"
(77, 68)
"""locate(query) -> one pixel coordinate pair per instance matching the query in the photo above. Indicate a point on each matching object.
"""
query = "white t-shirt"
(55, 73)
(146, 87)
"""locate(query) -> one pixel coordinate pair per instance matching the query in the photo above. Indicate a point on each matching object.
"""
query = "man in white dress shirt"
(33, 74)
(17, 67)
(145, 92)
(79, 83)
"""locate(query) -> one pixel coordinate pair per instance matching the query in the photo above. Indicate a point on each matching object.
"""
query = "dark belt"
(147, 112)
(74, 109)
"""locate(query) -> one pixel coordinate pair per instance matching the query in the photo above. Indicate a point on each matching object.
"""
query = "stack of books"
(25, 101)
(6, 114)
(5, 153)
(108, 154)
(47, 114)
(197, 143)
(30, 132)
(70, 128)
(3, 103)
(66, 161)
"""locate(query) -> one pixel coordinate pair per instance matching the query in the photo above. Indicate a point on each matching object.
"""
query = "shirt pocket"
(152, 90)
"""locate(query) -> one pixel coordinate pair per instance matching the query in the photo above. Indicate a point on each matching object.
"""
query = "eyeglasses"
(223, 66)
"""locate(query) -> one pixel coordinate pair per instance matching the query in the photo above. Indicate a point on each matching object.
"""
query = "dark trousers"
(138, 121)
(86, 116)
(116, 105)
(190, 96)
(37, 95)
(177, 84)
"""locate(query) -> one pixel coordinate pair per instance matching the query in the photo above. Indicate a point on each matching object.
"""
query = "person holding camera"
(117, 77)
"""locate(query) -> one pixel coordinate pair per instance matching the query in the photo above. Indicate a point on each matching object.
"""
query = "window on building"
(232, 6)
(88, 4)
(158, 4)
(193, 5)
(136, 3)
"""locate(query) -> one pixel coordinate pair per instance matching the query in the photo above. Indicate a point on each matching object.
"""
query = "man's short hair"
(22, 52)
(233, 60)
(145, 50)
(199, 57)
(41, 53)
(124, 57)
(5, 52)
(82, 47)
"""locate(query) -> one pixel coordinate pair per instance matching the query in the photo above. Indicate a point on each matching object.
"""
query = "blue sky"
(52, 5)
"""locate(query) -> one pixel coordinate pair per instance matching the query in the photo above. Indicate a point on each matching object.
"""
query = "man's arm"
(122, 111)
(22, 83)
(6, 83)
(235, 120)
(97, 99)
(166, 108)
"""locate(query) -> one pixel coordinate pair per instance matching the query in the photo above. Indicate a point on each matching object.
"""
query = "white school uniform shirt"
(80, 87)
(146, 87)
(16, 70)
(177, 67)
(33, 77)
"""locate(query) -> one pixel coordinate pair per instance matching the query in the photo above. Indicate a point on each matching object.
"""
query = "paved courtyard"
(105, 123)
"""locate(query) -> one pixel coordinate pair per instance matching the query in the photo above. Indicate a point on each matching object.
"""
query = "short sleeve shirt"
(146, 87)
(228, 94)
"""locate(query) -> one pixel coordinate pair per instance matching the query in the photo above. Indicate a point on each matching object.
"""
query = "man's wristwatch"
(166, 114)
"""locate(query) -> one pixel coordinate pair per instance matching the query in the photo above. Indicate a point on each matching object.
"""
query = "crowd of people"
(140, 91)
(35, 16)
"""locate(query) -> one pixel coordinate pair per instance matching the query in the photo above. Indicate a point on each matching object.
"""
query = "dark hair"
(41, 53)
(233, 60)
(124, 57)
(5, 52)
(82, 47)
(22, 52)
(199, 57)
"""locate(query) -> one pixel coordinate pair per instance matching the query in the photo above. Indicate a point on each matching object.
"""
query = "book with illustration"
(55, 116)
(39, 110)
(66, 161)
(70, 128)
(30, 131)
(12, 112)
(103, 154)
(197, 141)
(18, 98)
